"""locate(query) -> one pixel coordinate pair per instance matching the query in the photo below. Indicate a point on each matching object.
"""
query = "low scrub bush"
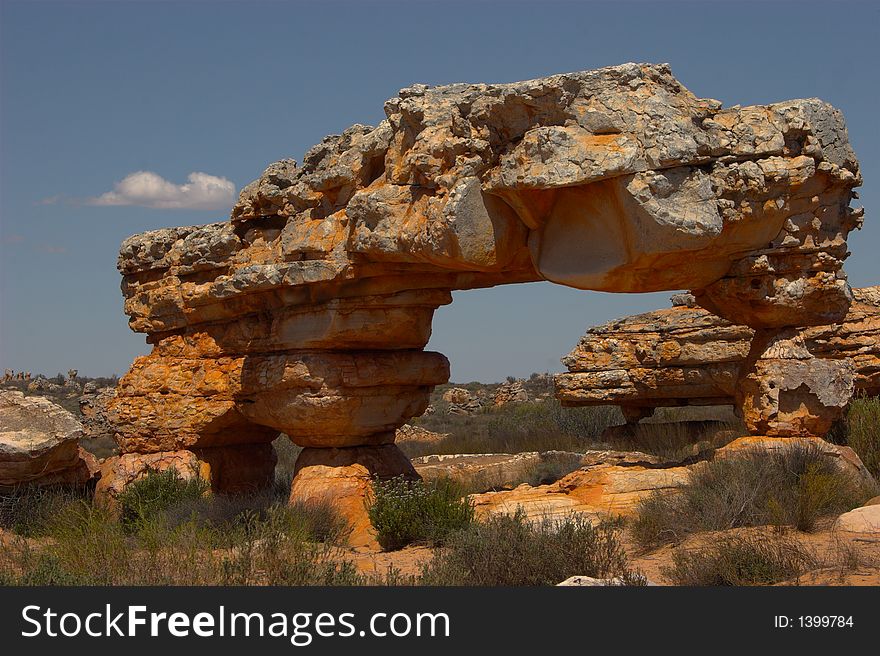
(860, 430)
(511, 550)
(516, 428)
(740, 560)
(155, 493)
(406, 512)
(795, 486)
(28, 510)
(198, 541)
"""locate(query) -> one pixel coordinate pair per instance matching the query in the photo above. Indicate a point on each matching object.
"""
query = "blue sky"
(94, 92)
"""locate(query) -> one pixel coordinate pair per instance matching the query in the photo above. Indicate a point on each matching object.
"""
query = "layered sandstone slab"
(608, 489)
(685, 355)
(39, 443)
(308, 310)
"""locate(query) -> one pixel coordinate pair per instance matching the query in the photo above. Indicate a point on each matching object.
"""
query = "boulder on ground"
(457, 395)
(861, 520)
(511, 393)
(39, 443)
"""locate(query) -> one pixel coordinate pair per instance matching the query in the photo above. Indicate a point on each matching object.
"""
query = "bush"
(511, 550)
(740, 560)
(155, 493)
(28, 510)
(205, 541)
(405, 512)
(794, 486)
(861, 432)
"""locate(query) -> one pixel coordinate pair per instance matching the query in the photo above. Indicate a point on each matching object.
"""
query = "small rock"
(861, 520)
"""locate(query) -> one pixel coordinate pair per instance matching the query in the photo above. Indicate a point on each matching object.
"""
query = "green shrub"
(861, 432)
(155, 493)
(405, 512)
(793, 486)
(740, 560)
(511, 550)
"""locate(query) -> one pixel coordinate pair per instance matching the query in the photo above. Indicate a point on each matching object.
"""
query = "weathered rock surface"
(457, 395)
(411, 433)
(93, 407)
(39, 443)
(510, 393)
(794, 382)
(307, 312)
(235, 469)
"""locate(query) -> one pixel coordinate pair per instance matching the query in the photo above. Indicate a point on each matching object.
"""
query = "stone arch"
(309, 310)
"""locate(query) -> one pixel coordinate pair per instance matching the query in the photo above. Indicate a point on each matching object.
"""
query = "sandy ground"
(832, 549)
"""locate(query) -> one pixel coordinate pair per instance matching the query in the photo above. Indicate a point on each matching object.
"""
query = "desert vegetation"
(407, 512)
(794, 486)
(167, 531)
(860, 430)
(511, 550)
(741, 560)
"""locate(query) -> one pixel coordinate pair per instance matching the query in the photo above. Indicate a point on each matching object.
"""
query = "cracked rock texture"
(308, 310)
(795, 382)
(39, 443)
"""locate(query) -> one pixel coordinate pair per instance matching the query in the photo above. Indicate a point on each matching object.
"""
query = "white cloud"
(148, 189)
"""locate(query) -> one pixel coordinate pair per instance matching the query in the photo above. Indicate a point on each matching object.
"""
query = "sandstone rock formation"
(608, 487)
(510, 393)
(685, 355)
(861, 520)
(308, 310)
(93, 407)
(411, 433)
(457, 395)
(39, 443)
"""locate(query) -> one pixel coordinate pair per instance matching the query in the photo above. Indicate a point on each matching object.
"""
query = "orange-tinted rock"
(786, 391)
(685, 355)
(618, 179)
(118, 472)
(605, 489)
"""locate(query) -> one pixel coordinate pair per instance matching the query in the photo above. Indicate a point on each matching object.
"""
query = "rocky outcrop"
(795, 382)
(343, 478)
(93, 408)
(512, 392)
(457, 395)
(39, 444)
(411, 433)
(307, 312)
